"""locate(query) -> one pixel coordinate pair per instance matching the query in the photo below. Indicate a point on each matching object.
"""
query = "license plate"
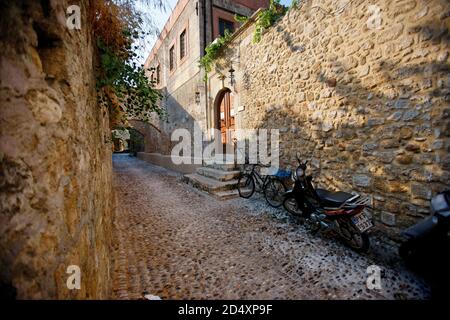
(362, 221)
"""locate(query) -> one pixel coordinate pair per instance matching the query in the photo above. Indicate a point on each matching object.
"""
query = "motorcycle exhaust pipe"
(320, 220)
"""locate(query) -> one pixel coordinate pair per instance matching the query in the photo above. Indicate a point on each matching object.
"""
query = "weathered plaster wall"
(55, 152)
(179, 85)
(369, 107)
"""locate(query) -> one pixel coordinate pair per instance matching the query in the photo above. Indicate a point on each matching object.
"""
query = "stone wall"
(367, 103)
(55, 152)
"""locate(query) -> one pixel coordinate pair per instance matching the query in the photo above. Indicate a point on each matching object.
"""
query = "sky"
(159, 18)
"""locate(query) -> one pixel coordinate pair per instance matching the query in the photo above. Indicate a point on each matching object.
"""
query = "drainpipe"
(212, 112)
(207, 113)
(212, 20)
(204, 25)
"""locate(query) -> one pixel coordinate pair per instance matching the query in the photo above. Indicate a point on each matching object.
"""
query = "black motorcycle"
(426, 245)
(339, 212)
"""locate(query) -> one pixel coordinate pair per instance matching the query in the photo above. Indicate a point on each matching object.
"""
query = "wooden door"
(226, 119)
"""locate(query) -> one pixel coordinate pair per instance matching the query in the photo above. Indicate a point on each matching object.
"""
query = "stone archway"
(136, 142)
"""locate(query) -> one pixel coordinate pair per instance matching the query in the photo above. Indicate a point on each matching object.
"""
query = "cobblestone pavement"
(176, 242)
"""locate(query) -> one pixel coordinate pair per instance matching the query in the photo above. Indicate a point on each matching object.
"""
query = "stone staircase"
(218, 180)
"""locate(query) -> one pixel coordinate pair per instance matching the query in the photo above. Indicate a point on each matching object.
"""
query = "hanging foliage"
(264, 19)
(122, 85)
(212, 51)
(267, 18)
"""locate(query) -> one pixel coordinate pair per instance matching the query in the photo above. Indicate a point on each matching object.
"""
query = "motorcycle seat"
(333, 199)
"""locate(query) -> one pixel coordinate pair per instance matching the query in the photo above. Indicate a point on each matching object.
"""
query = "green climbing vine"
(122, 84)
(264, 20)
(212, 51)
(267, 17)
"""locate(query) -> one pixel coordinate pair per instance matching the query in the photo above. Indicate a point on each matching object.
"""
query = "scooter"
(426, 245)
(340, 212)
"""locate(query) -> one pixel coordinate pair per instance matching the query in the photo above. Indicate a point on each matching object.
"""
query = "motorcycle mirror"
(298, 158)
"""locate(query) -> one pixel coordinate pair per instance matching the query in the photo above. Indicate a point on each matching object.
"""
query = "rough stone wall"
(368, 106)
(55, 152)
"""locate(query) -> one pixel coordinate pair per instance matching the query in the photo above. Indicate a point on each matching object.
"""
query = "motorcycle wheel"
(406, 251)
(416, 255)
(353, 238)
(291, 206)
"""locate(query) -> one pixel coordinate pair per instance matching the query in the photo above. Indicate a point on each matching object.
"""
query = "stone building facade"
(361, 89)
(56, 199)
(176, 72)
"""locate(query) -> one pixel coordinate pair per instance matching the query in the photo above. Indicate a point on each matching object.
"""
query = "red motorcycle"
(340, 212)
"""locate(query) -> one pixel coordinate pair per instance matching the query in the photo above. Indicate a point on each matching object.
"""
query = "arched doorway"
(225, 117)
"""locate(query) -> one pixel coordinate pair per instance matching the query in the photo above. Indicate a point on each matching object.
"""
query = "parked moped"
(339, 212)
(426, 245)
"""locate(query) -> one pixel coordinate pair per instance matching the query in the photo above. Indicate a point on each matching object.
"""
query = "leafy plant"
(212, 51)
(241, 19)
(264, 20)
(122, 84)
(267, 18)
(294, 4)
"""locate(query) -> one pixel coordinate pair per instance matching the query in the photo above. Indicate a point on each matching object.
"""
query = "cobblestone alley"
(175, 242)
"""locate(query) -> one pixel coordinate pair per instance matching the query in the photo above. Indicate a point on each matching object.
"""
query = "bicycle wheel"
(246, 185)
(273, 192)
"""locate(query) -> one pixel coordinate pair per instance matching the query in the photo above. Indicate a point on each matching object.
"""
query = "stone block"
(405, 133)
(375, 121)
(388, 218)
(385, 156)
(361, 180)
(397, 187)
(421, 191)
(412, 147)
(401, 104)
(389, 144)
(410, 115)
(404, 158)
(391, 33)
(367, 147)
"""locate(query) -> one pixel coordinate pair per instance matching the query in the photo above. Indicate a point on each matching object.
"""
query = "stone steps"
(221, 175)
(227, 194)
(209, 184)
(218, 180)
(223, 167)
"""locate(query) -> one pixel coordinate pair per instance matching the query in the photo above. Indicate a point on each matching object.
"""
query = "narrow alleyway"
(175, 242)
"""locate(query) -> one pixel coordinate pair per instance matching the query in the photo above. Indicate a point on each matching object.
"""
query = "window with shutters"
(158, 74)
(183, 44)
(172, 58)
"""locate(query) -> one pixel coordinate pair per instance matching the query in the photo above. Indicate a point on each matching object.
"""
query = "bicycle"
(272, 186)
